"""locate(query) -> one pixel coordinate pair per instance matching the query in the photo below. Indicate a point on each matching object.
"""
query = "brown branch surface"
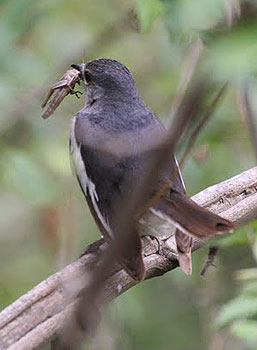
(37, 316)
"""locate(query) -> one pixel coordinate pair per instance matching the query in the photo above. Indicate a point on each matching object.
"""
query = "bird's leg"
(210, 259)
(77, 93)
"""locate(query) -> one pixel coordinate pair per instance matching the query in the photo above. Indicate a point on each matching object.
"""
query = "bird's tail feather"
(191, 220)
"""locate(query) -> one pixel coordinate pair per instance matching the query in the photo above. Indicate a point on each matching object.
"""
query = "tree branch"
(38, 316)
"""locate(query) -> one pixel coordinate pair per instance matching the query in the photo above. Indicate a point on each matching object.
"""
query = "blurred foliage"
(240, 313)
(45, 222)
(148, 11)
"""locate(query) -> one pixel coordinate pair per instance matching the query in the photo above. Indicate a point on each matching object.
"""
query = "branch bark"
(37, 316)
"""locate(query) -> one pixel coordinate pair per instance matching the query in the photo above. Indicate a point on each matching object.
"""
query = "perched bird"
(110, 143)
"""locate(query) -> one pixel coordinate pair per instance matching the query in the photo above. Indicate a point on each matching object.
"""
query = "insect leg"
(74, 92)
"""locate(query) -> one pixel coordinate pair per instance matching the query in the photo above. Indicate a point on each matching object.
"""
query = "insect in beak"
(61, 89)
(78, 67)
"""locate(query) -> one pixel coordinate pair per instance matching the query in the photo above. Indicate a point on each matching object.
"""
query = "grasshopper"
(63, 87)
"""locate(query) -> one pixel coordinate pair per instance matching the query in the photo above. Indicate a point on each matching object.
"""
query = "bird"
(110, 144)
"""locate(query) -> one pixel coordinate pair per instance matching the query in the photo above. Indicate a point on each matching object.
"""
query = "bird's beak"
(79, 67)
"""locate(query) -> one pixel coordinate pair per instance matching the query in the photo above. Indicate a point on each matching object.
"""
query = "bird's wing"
(105, 179)
(108, 171)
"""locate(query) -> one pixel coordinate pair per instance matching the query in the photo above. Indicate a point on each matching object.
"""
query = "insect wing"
(55, 102)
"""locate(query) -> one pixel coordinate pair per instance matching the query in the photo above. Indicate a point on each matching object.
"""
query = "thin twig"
(188, 71)
(210, 260)
(246, 110)
(207, 116)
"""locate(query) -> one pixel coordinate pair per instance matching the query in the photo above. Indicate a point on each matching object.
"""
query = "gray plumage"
(115, 132)
(111, 143)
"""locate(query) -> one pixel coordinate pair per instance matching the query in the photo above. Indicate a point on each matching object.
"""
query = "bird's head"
(105, 77)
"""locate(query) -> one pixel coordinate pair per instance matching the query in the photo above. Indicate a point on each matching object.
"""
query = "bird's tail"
(191, 220)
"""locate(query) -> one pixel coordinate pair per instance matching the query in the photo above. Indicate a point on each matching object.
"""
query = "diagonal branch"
(37, 316)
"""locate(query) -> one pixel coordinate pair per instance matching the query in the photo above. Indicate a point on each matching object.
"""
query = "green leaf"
(188, 17)
(148, 11)
(237, 309)
(240, 60)
(245, 329)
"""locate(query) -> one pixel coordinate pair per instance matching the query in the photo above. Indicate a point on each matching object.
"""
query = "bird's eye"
(88, 76)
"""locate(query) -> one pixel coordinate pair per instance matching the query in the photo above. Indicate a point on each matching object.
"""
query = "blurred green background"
(44, 221)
